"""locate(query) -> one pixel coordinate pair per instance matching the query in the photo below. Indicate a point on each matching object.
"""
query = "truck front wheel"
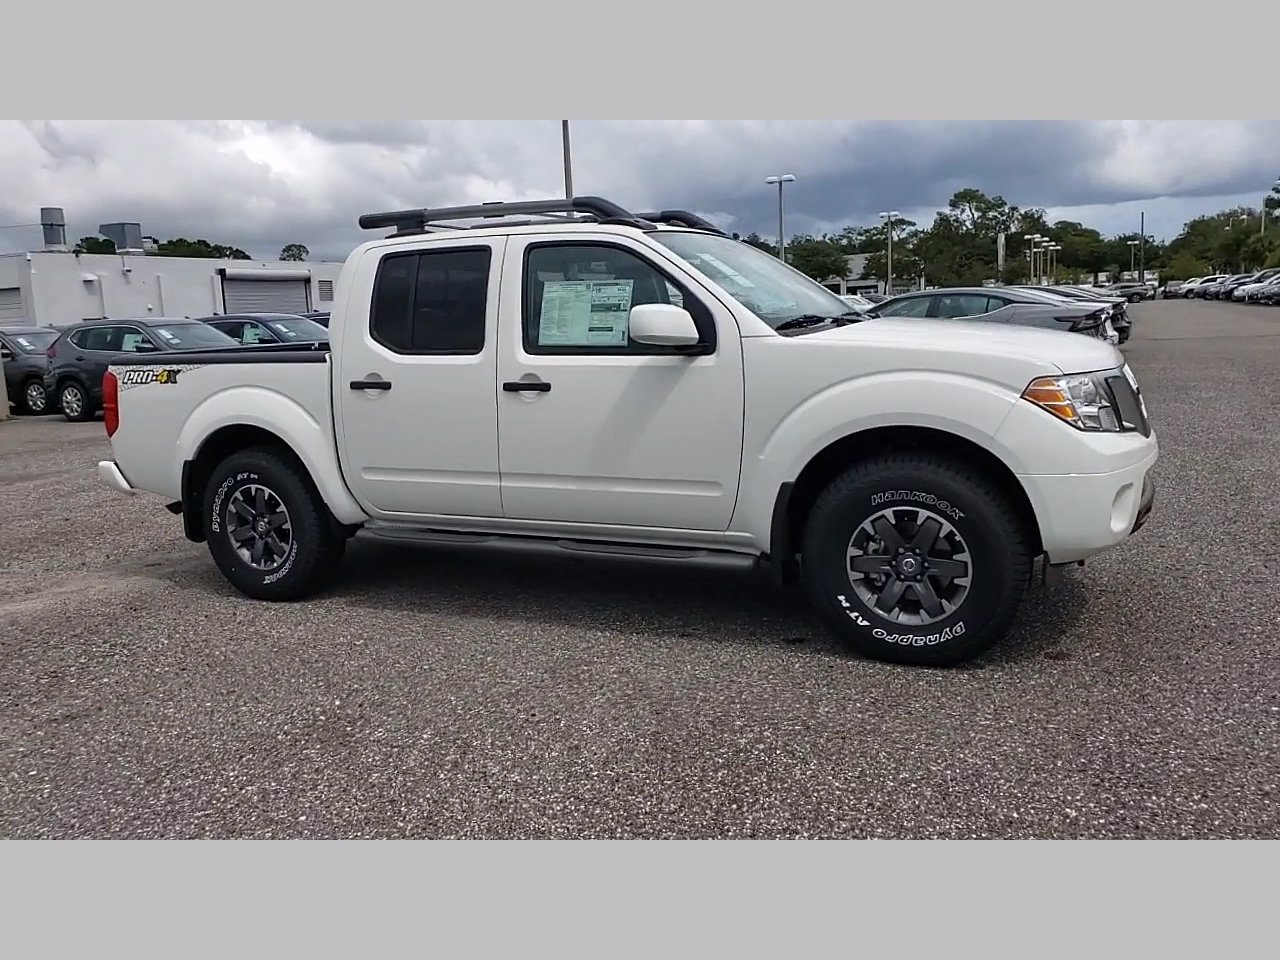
(268, 528)
(915, 559)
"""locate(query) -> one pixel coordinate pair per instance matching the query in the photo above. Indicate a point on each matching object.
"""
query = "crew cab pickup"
(590, 380)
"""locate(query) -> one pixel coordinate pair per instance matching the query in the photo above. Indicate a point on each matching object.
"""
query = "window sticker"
(585, 312)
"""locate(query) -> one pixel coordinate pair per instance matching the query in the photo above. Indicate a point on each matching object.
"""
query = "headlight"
(1081, 399)
(1105, 401)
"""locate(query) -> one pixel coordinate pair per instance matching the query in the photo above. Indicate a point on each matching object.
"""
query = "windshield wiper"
(813, 319)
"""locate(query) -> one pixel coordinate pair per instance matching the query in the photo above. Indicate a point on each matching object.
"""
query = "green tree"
(759, 242)
(294, 251)
(906, 266)
(1257, 250)
(182, 247)
(95, 245)
(819, 259)
(1184, 266)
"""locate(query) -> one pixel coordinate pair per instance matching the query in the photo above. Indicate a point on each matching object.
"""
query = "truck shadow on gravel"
(694, 603)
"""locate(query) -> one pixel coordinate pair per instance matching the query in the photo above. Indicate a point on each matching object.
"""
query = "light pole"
(568, 165)
(1053, 249)
(782, 245)
(887, 217)
(1035, 238)
(1133, 250)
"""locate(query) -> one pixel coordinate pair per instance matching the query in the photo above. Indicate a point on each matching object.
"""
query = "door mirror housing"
(144, 346)
(6, 353)
(663, 325)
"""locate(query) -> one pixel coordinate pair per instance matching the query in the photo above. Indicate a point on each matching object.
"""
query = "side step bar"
(562, 547)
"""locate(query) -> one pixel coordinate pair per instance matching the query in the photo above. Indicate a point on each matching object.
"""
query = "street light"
(785, 178)
(1053, 249)
(887, 217)
(1264, 206)
(1133, 246)
(1035, 263)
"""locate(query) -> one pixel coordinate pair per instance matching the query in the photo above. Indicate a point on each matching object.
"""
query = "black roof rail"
(681, 218)
(415, 220)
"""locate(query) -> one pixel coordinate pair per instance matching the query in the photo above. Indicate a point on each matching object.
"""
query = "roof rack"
(597, 207)
(681, 218)
(561, 210)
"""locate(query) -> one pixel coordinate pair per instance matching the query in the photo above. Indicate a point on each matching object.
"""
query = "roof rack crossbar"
(682, 218)
(417, 219)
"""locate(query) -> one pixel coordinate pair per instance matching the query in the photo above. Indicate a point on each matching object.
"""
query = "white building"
(55, 286)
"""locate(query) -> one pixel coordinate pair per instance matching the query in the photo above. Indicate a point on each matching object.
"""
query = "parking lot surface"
(444, 693)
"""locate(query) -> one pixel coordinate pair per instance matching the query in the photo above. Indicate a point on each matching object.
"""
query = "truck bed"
(169, 403)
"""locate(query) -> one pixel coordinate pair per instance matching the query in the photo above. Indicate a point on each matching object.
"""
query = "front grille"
(1128, 406)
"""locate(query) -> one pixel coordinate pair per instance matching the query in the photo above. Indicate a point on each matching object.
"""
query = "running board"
(547, 545)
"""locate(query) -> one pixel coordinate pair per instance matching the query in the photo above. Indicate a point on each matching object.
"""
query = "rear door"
(92, 350)
(414, 388)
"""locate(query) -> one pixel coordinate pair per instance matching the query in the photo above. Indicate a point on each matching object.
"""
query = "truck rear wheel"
(267, 527)
(917, 559)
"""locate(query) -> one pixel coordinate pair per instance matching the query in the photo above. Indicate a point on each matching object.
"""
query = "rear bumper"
(110, 474)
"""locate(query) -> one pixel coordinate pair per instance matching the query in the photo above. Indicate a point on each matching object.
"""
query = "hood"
(1063, 351)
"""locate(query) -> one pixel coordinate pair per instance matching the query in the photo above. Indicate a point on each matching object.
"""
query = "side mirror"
(144, 346)
(6, 353)
(662, 325)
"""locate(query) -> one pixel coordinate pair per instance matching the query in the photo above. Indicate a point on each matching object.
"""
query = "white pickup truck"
(595, 381)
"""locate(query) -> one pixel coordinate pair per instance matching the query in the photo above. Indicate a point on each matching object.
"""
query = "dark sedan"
(23, 350)
(1023, 307)
(251, 328)
(1120, 320)
(78, 359)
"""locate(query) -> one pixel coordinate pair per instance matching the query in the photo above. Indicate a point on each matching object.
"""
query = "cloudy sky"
(262, 185)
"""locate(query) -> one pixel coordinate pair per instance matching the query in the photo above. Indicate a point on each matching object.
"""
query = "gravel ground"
(440, 693)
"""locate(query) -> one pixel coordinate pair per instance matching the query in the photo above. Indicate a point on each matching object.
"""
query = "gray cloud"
(261, 185)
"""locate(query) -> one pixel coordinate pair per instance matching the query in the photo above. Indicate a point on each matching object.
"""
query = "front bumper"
(1081, 515)
(110, 474)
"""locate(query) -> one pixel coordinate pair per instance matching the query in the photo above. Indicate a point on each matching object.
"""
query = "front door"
(414, 384)
(594, 427)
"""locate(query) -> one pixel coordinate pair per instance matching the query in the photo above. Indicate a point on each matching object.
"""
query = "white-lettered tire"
(268, 529)
(915, 558)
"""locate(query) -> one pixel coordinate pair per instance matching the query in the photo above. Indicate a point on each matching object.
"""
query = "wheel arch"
(796, 498)
(215, 448)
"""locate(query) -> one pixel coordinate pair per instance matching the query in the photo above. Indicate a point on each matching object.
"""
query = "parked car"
(23, 351)
(1270, 294)
(906, 472)
(1197, 291)
(1219, 289)
(1120, 320)
(320, 317)
(1171, 289)
(250, 328)
(874, 297)
(80, 355)
(1132, 291)
(1020, 306)
(1250, 291)
(856, 302)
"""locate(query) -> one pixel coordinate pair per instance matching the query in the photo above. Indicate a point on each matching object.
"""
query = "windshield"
(34, 342)
(192, 336)
(759, 281)
(299, 328)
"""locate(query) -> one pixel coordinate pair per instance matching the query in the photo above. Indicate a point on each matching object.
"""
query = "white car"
(534, 384)
(1267, 278)
(857, 303)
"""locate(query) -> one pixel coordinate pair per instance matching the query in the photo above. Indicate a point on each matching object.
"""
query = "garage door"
(11, 311)
(266, 296)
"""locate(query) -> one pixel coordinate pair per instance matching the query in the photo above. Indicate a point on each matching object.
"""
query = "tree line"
(182, 247)
(960, 247)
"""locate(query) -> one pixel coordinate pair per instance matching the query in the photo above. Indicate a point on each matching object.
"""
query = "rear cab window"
(432, 301)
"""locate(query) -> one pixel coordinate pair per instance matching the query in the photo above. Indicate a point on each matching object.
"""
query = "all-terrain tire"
(976, 512)
(289, 567)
